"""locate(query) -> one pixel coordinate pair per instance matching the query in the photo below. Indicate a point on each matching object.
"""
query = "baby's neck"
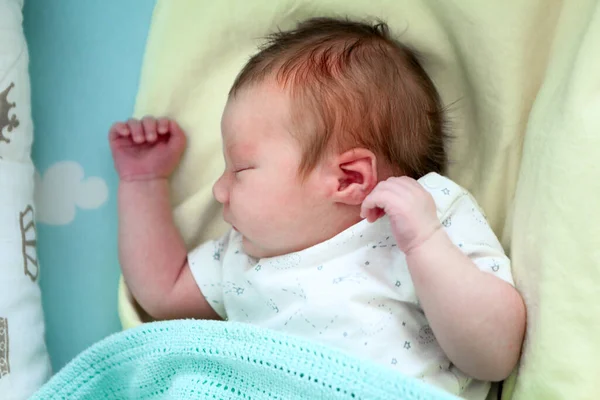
(342, 218)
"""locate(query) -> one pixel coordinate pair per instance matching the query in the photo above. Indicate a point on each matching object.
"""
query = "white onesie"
(353, 291)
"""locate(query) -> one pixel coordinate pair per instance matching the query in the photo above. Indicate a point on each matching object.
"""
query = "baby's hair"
(352, 85)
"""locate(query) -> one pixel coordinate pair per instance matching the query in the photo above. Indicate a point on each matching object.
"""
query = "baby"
(344, 230)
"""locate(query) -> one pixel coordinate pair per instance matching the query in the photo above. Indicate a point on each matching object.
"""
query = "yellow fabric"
(522, 85)
(556, 222)
(128, 314)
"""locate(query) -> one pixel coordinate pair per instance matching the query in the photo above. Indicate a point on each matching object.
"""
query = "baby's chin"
(255, 251)
(250, 249)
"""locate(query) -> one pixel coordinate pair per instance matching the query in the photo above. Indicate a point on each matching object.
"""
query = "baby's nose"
(220, 191)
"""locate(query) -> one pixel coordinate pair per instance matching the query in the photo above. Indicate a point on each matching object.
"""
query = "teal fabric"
(189, 359)
(85, 64)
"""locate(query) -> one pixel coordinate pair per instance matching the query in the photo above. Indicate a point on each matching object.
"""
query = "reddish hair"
(352, 86)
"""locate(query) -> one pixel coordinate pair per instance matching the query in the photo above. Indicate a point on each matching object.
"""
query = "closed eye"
(237, 171)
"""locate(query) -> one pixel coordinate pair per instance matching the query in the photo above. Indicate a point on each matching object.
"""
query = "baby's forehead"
(238, 147)
(259, 113)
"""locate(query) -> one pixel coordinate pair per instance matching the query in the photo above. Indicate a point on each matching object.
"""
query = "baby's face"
(261, 192)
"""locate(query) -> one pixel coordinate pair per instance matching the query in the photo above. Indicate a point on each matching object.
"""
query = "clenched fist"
(410, 208)
(146, 149)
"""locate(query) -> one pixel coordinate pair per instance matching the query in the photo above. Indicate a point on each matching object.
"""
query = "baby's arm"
(477, 318)
(152, 252)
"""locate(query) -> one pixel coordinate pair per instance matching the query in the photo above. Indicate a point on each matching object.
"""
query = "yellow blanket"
(523, 84)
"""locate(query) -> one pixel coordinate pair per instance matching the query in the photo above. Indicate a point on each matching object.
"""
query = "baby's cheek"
(256, 214)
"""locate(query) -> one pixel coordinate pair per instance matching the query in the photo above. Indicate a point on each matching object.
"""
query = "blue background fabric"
(85, 64)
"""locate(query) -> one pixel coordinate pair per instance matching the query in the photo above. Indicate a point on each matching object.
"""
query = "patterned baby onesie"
(353, 291)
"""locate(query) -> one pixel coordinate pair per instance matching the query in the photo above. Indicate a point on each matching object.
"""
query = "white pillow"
(24, 361)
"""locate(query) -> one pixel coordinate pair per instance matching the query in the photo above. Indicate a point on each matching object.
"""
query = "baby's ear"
(357, 176)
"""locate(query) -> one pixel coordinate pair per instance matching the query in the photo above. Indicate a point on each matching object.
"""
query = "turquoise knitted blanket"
(189, 359)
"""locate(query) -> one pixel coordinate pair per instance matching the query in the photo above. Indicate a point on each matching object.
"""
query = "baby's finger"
(400, 183)
(163, 126)
(411, 190)
(149, 125)
(374, 214)
(410, 184)
(177, 139)
(122, 129)
(379, 198)
(400, 188)
(137, 131)
(115, 131)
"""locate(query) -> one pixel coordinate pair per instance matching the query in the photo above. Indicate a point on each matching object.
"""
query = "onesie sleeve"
(468, 229)
(206, 265)
(466, 225)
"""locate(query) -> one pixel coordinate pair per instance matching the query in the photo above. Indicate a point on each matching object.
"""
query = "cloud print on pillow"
(64, 188)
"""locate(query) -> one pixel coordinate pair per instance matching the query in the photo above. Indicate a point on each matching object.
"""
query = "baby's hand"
(411, 210)
(146, 149)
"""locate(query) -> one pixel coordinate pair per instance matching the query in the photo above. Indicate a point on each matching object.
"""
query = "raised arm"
(152, 252)
(477, 318)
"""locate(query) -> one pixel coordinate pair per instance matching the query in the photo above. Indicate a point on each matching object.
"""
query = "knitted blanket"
(189, 359)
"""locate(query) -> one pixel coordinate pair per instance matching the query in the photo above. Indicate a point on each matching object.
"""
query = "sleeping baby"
(344, 229)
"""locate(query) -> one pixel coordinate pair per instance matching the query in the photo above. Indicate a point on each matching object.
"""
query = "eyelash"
(240, 170)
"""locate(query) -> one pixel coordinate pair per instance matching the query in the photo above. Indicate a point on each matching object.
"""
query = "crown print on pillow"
(7, 121)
